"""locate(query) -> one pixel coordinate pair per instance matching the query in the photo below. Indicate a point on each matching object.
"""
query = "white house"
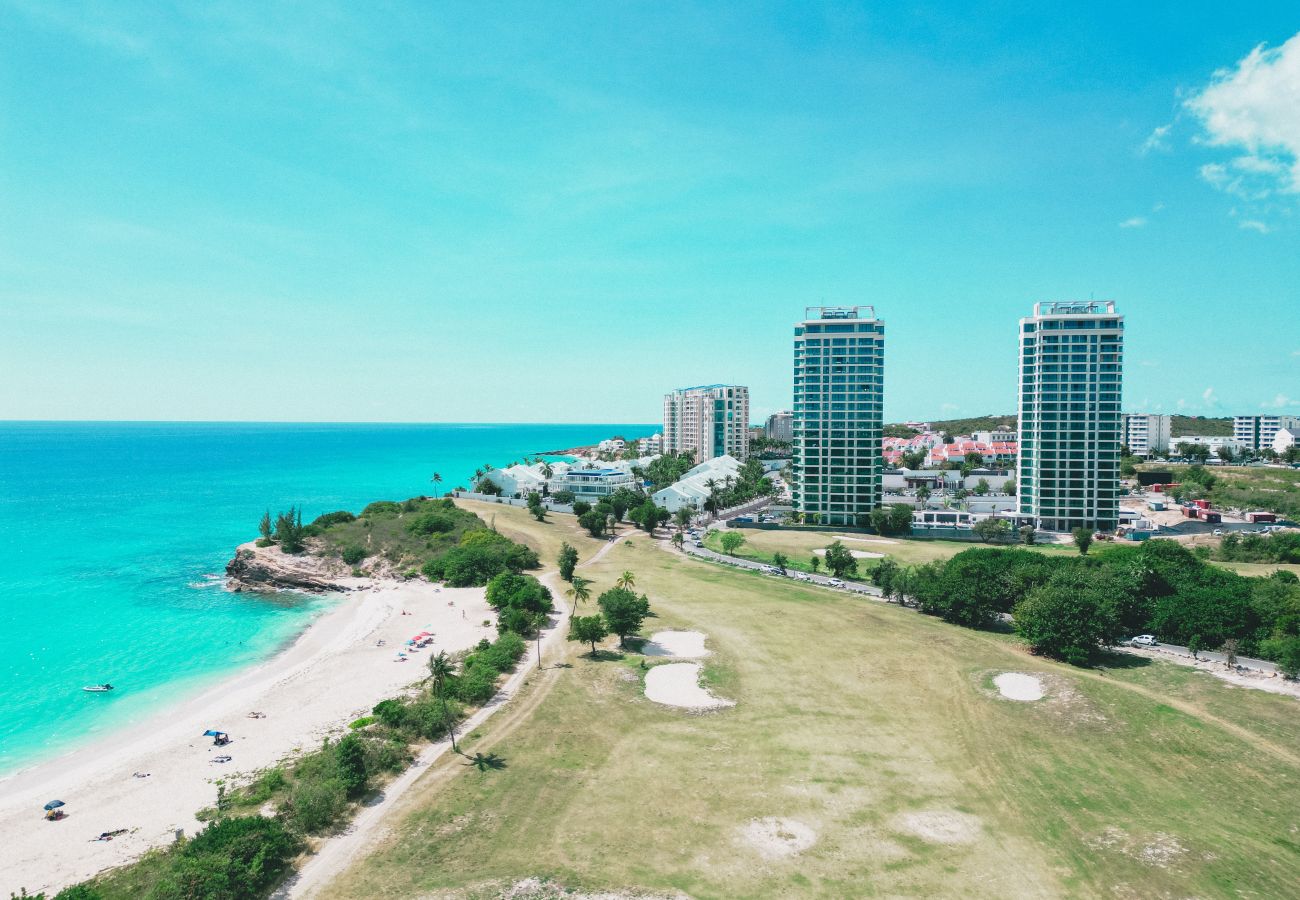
(1285, 439)
(519, 480)
(692, 489)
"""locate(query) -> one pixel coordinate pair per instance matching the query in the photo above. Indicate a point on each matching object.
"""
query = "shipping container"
(1261, 517)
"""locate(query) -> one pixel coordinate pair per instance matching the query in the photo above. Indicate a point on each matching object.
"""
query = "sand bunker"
(678, 684)
(1015, 686)
(857, 554)
(681, 644)
(865, 540)
(940, 826)
(778, 838)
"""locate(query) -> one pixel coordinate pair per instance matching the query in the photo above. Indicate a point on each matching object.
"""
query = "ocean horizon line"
(4, 421)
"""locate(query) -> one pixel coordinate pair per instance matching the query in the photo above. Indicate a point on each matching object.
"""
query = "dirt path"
(434, 765)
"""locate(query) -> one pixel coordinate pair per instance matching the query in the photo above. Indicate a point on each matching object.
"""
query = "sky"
(558, 212)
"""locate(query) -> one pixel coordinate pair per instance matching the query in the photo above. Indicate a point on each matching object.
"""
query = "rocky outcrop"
(266, 569)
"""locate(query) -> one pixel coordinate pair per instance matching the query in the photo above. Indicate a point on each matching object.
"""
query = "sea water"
(114, 539)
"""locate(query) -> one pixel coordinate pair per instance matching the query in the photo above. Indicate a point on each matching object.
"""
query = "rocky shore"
(267, 569)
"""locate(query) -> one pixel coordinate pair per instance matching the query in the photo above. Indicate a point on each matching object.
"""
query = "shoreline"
(311, 687)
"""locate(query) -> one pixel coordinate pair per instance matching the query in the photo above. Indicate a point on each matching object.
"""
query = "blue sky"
(557, 212)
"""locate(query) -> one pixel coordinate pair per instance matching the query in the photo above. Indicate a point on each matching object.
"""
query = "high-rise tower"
(1071, 375)
(838, 389)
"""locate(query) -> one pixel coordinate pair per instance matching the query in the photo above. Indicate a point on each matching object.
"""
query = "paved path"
(1243, 662)
(824, 580)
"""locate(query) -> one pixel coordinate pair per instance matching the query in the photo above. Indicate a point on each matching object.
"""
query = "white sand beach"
(332, 674)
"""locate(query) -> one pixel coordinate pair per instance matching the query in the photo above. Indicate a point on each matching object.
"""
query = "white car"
(1144, 640)
(801, 576)
(835, 582)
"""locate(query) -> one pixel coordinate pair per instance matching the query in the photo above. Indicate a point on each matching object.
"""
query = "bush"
(393, 713)
(476, 686)
(480, 555)
(432, 523)
(334, 518)
(353, 555)
(230, 859)
(382, 509)
(1072, 616)
(315, 804)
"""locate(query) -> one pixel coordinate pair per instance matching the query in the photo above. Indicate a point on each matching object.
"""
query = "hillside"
(958, 426)
(1201, 426)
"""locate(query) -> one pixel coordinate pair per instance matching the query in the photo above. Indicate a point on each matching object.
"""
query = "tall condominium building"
(1071, 376)
(839, 357)
(1145, 434)
(1259, 432)
(780, 426)
(709, 420)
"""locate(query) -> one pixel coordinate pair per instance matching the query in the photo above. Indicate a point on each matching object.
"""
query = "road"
(824, 580)
(1243, 662)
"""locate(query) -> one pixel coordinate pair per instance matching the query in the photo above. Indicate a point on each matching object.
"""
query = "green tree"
(1071, 616)
(594, 522)
(1082, 539)
(624, 612)
(626, 580)
(991, 529)
(839, 559)
(441, 670)
(579, 591)
(780, 561)
(588, 630)
(982, 487)
(568, 561)
(1009, 486)
(350, 757)
(731, 542)
(580, 507)
(883, 576)
(678, 540)
(564, 496)
(536, 507)
(922, 494)
(815, 563)
(1027, 534)
(682, 517)
(264, 526)
(437, 480)
(289, 531)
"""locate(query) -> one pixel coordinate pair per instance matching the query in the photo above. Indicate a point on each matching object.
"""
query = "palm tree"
(626, 580)
(478, 473)
(579, 591)
(437, 480)
(441, 668)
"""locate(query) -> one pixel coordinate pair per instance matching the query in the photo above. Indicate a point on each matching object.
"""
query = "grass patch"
(851, 716)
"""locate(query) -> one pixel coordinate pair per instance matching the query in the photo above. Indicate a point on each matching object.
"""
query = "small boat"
(98, 688)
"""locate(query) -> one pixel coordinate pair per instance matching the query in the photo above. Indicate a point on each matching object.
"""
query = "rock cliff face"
(257, 568)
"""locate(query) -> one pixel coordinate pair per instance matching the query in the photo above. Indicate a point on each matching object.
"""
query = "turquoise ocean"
(114, 538)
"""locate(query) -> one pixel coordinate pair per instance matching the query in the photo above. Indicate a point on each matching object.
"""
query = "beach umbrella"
(54, 804)
(211, 733)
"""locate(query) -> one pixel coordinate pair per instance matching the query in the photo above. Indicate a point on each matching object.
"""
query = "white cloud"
(1281, 401)
(1295, 352)
(1135, 222)
(1207, 396)
(1255, 107)
(1156, 140)
(1254, 225)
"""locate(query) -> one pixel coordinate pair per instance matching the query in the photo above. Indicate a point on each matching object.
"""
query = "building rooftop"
(837, 312)
(1075, 308)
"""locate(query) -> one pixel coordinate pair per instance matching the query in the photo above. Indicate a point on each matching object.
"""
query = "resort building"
(1284, 440)
(520, 480)
(838, 412)
(780, 427)
(1212, 442)
(1258, 432)
(709, 420)
(1145, 434)
(650, 446)
(1071, 376)
(696, 484)
(592, 484)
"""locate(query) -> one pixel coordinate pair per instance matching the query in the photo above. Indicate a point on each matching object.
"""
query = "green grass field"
(798, 546)
(876, 728)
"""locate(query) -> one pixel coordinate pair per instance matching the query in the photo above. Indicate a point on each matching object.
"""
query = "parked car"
(835, 582)
(801, 576)
(1218, 532)
(1144, 640)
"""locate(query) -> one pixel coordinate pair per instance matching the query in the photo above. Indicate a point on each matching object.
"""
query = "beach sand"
(332, 674)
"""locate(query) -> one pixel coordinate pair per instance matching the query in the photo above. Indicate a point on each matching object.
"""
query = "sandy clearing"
(1018, 686)
(678, 684)
(331, 674)
(857, 554)
(680, 644)
(941, 826)
(776, 838)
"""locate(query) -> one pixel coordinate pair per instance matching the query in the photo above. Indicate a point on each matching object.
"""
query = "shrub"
(334, 518)
(432, 523)
(353, 555)
(315, 804)
(230, 859)
(392, 713)
(350, 758)
(382, 509)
